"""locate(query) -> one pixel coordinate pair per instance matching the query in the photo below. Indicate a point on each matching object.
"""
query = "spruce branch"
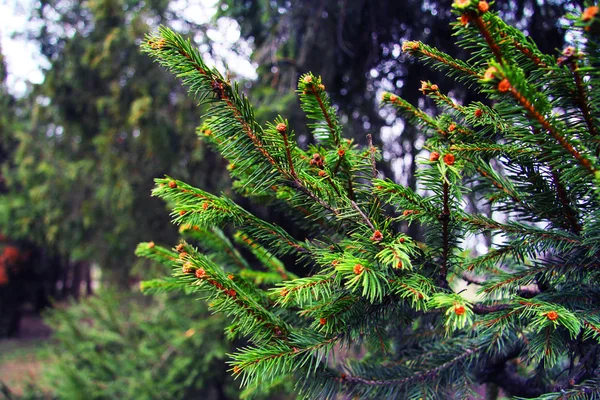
(553, 131)
(582, 97)
(445, 219)
(483, 27)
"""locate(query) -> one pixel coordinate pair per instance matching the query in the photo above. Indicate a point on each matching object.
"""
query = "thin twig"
(362, 214)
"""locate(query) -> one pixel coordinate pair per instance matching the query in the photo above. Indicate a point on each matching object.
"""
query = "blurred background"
(87, 122)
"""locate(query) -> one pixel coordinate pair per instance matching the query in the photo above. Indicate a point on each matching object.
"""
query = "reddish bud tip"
(449, 159)
(377, 236)
(552, 315)
(483, 6)
(504, 86)
(281, 128)
(358, 269)
(200, 273)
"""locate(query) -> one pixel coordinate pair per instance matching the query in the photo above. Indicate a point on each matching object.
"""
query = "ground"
(23, 358)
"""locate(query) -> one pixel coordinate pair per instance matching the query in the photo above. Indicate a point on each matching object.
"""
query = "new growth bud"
(281, 128)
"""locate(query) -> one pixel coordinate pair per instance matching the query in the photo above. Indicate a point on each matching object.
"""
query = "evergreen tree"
(379, 314)
(78, 178)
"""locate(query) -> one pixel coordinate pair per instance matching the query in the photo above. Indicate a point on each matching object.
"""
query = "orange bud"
(504, 86)
(589, 13)
(552, 315)
(200, 273)
(459, 309)
(358, 269)
(449, 159)
(483, 7)
(172, 184)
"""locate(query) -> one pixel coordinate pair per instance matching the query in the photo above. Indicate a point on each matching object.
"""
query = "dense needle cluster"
(376, 313)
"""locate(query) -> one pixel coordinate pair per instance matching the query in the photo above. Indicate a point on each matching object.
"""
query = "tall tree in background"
(104, 122)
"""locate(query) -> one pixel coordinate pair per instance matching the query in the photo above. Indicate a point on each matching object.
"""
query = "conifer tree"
(377, 314)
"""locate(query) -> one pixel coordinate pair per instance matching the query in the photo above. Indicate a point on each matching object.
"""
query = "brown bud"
(281, 128)
(377, 236)
(151, 245)
(434, 156)
(172, 184)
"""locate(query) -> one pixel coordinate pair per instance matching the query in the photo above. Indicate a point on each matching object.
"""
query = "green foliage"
(104, 122)
(378, 314)
(123, 346)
